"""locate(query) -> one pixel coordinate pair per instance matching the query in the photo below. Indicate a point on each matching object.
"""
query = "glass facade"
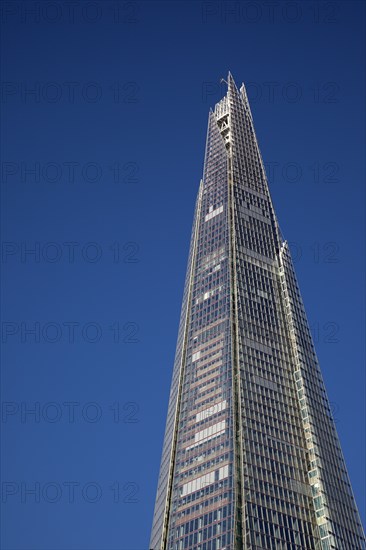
(251, 459)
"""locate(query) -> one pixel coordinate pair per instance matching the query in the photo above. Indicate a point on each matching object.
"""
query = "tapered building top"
(251, 458)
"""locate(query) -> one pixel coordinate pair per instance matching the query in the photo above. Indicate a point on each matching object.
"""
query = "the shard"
(251, 458)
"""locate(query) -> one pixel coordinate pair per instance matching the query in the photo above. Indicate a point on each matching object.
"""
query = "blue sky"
(105, 110)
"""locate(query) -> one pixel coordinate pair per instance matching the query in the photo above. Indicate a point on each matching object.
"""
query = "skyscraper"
(251, 458)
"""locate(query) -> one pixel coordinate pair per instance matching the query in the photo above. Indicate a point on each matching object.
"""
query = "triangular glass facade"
(251, 458)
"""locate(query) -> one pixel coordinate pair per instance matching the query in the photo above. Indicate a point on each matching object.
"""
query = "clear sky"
(107, 103)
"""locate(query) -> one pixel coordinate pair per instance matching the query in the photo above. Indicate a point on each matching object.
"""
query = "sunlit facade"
(251, 458)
